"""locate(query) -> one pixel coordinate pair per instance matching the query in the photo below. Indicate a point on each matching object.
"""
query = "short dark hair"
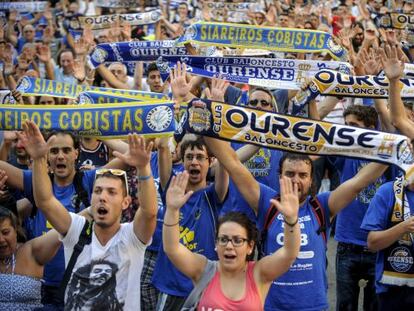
(291, 156)
(63, 51)
(75, 138)
(193, 143)
(151, 67)
(245, 222)
(367, 114)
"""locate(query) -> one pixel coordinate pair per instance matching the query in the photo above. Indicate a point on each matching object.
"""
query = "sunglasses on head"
(114, 172)
(255, 102)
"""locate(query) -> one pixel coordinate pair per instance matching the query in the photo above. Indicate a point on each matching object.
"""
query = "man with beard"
(304, 286)
(123, 245)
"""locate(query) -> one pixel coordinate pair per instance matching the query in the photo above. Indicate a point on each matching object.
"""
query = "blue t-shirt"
(348, 221)
(264, 165)
(54, 269)
(157, 236)
(197, 231)
(304, 286)
(378, 217)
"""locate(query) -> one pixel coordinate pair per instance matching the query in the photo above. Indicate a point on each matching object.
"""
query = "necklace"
(9, 264)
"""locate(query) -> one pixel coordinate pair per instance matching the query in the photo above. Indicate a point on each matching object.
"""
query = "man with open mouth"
(113, 253)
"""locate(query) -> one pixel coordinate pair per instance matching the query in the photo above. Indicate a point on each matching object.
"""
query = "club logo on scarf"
(190, 33)
(401, 259)
(334, 47)
(404, 153)
(99, 55)
(85, 99)
(25, 84)
(159, 118)
(199, 116)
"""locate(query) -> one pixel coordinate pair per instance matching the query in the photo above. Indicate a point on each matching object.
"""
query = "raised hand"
(126, 31)
(138, 154)
(44, 54)
(81, 47)
(79, 69)
(176, 196)
(370, 61)
(218, 89)
(33, 141)
(289, 199)
(179, 85)
(393, 67)
(3, 178)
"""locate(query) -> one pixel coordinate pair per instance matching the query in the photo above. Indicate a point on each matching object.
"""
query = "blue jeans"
(353, 263)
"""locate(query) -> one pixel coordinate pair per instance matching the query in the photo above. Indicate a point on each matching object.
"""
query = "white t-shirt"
(104, 277)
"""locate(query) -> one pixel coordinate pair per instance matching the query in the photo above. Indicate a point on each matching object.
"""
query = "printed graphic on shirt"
(304, 261)
(259, 164)
(93, 287)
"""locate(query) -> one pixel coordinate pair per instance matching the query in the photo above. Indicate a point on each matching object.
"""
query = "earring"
(215, 249)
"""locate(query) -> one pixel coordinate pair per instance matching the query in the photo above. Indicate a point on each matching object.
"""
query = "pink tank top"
(213, 298)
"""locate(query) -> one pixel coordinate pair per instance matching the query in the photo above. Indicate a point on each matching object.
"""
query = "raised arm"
(271, 267)
(10, 35)
(110, 78)
(38, 149)
(45, 247)
(139, 156)
(164, 161)
(189, 263)
(394, 69)
(241, 176)
(346, 192)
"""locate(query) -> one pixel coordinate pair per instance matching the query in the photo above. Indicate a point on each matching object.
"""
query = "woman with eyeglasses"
(21, 264)
(233, 282)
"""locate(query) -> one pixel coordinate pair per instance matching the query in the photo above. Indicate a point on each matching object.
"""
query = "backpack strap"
(81, 194)
(320, 216)
(269, 217)
(85, 238)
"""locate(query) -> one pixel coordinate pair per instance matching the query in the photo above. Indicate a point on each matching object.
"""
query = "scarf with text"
(108, 120)
(133, 51)
(271, 38)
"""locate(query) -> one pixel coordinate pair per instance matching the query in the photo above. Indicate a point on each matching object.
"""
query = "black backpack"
(272, 212)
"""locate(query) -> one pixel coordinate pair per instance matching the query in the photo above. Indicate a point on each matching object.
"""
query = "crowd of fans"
(145, 224)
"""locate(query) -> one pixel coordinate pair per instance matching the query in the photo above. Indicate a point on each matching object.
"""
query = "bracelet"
(173, 225)
(293, 224)
(144, 178)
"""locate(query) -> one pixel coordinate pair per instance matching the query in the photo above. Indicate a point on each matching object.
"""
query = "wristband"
(144, 178)
(172, 225)
(293, 224)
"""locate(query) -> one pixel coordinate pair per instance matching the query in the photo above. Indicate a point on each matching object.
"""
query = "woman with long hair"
(234, 282)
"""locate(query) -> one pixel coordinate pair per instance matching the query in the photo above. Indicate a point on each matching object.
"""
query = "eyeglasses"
(235, 240)
(255, 102)
(198, 157)
(115, 172)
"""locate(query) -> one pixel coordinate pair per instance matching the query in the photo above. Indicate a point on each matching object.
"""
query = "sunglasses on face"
(114, 172)
(255, 102)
